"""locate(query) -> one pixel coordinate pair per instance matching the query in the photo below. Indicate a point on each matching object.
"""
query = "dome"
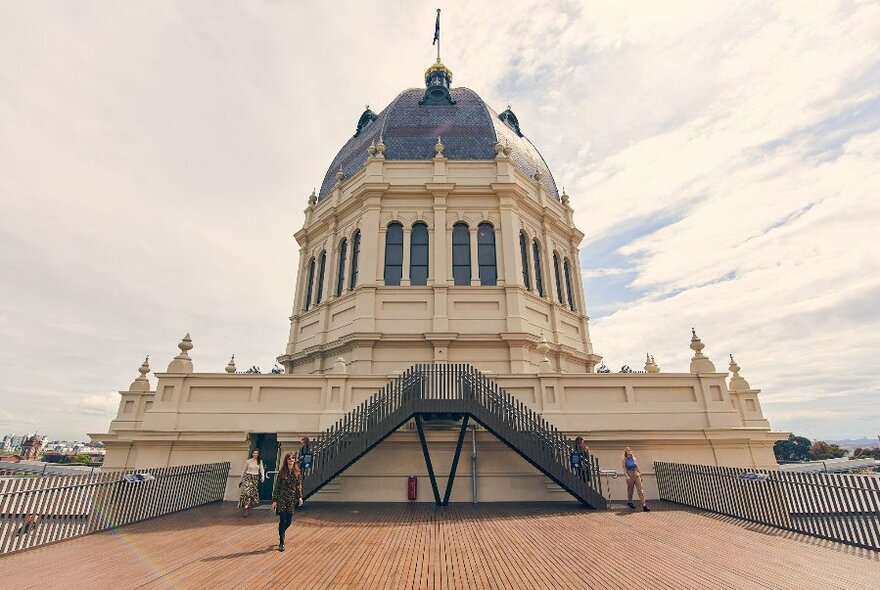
(410, 125)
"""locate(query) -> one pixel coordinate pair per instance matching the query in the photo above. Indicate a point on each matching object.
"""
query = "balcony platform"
(491, 546)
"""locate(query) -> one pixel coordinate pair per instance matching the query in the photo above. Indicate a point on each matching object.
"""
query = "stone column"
(509, 243)
(475, 266)
(407, 238)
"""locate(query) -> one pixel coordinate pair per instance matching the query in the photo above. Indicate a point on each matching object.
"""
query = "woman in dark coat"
(287, 494)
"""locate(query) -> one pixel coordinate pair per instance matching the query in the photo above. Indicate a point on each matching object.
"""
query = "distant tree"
(822, 450)
(80, 459)
(796, 448)
(867, 453)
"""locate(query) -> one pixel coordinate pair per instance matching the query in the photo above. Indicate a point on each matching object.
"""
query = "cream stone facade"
(426, 254)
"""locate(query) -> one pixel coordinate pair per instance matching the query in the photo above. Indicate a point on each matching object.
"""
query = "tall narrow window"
(418, 255)
(568, 285)
(524, 254)
(486, 254)
(355, 255)
(539, 280)
(558, 277)
(340, 276)
(461, 254)
(321, 267)
(394, 254)
(310, 285)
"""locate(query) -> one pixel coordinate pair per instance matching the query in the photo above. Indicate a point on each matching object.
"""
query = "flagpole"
(438, 36)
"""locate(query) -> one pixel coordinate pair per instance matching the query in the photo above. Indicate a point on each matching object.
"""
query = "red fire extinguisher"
(412, 488)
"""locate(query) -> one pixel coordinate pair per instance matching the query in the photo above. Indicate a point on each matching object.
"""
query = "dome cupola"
(438, 80)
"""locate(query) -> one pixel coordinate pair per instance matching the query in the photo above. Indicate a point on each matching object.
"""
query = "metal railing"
(39, 510)
(452, 389)
(839, 507)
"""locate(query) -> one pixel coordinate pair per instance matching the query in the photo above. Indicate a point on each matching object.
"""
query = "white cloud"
(155, 160)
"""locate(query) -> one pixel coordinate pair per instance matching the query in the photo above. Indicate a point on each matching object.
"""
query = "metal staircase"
(460, 390)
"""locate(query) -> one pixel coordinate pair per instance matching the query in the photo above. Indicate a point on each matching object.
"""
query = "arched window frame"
(393, 254)
(340, 275)
(461, 254)
(486, 257)
(539, 276)
(355, 259)
(419, 254)
(309, 285)
(524, 256)
(557, 275)
(322, 267)
(568, 291)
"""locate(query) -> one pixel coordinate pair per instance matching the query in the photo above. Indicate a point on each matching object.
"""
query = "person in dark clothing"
(580, 447)
(287, 494)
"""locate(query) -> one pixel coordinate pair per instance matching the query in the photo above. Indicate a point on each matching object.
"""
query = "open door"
(267, 443)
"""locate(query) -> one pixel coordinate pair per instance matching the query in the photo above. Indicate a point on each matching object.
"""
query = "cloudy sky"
(723, 160)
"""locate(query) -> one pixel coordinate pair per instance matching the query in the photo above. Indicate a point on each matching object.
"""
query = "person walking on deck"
(287, 494)
(633, 479)
(253, 474)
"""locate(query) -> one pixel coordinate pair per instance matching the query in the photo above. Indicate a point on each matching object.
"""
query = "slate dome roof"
(469, 129)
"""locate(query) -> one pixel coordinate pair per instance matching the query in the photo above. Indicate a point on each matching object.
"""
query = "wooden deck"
(398, 546)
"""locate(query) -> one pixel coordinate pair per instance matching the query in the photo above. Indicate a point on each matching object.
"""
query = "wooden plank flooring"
(415, 546)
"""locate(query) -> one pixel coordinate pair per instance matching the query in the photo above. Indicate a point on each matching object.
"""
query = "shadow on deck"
(398, 546)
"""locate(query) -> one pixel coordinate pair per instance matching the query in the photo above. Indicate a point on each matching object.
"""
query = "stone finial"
(700, 363)
(182, 363)
(313, 198)
(230, 366)
(499, 150)
(340, 367)
(380, 148)
(737, 383)
(507, 149)
(650, 365)
(538, 175)
(565, 197)
(438, 148)
(339, 176)
(543, 348)
(141, 383)
(371, 149)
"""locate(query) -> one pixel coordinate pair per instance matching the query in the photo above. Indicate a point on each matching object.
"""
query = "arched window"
(309, 285)
(568, 284)
(418, 255)
(558, 277)
(394, 254)
(486, 254)
(340, 276)
(321, 267)
(461, 254)
(539, 280)
(524, 254)
(355, 255)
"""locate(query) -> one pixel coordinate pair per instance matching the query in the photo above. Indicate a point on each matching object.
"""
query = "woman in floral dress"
(254, 473)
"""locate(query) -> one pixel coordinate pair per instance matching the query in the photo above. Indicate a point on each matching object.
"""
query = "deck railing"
(454, 389)
(835, 506)
(39, 510)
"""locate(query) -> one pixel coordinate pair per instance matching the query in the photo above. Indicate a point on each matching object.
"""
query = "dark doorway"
(268, 445)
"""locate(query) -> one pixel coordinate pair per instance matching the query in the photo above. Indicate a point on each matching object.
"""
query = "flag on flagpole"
(437, 29)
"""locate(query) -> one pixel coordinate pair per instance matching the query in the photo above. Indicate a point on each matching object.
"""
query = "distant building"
(31, 448)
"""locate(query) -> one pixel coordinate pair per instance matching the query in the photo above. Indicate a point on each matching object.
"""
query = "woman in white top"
(253, 474)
